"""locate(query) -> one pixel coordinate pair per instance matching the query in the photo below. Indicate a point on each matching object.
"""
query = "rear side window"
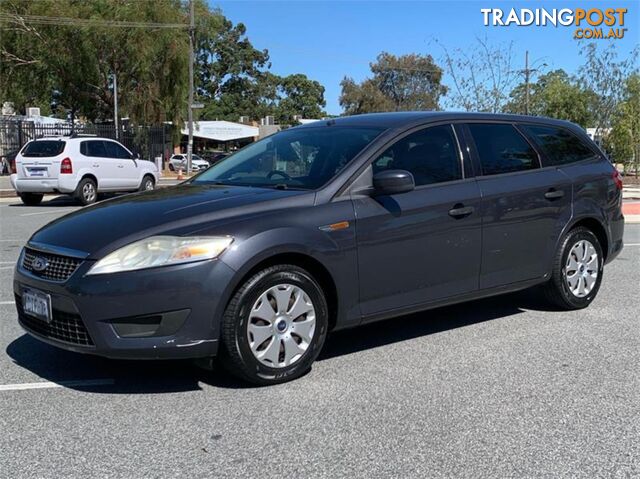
(430, 155)
(502, 149)
(114, 150)
(39, 149)
(560, 146)
(93, 148)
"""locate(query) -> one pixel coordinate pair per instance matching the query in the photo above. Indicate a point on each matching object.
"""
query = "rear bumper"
(161, 313)
(43, 185)
(616, 233)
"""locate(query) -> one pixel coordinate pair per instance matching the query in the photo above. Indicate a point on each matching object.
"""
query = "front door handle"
(120, 166)
(554, 194)
(95, 165)
(460, 211)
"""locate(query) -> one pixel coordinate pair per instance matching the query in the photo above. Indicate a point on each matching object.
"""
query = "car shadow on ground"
(153, 377)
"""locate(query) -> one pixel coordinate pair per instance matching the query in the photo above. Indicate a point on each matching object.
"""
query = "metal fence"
(147, 141)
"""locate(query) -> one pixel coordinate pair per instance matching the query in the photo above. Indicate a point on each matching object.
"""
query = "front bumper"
(162, 313)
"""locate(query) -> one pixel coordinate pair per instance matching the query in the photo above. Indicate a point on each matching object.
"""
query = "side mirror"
(393, 182)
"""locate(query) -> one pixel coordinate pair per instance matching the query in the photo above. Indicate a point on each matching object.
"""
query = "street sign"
(197, 106)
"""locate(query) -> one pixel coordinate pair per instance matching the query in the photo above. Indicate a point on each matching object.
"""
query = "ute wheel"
(274, 326)
(86, 192)
(577, 270)
(31, 199)
(147, 184)
(171, 167)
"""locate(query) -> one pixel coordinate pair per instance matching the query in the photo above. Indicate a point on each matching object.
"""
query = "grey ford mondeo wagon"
(322, 227)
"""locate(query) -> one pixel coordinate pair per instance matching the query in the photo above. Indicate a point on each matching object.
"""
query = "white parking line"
(5, 267)
(4, 303)
(12, 240)
(49, 212)
(632, 244)
(61, 384)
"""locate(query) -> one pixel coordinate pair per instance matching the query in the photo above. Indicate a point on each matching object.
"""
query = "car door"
(127, 171)
(523, 205)
(423, 245)
(100, 164)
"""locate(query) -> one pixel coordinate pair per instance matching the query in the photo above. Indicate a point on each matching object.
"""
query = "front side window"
(430, 155)
(560, 146)
(299, 158)
(502, 149)
(40, 149)
(115, 150)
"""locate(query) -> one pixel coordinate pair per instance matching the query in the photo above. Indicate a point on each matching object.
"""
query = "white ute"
(79, 166)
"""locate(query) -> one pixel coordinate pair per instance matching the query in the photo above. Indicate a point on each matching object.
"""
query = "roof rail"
(81, 135)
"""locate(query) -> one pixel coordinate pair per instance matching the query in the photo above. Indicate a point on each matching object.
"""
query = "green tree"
(624, 139)
(407, 82)
(554, 95)
(482, 75)
(298, 95)
(71, 67)
(605, 75)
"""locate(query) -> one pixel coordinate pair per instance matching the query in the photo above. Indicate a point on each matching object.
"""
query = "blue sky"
(327, 40)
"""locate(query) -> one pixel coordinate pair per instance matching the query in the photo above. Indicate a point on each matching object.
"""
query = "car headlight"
(161, 251)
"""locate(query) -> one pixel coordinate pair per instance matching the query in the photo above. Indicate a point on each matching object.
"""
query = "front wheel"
(274, 326)
(577, 270)
(147, 183)
(31, 199)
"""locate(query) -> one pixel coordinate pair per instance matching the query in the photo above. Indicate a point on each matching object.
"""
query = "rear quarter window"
(40, 149)
(559, 146)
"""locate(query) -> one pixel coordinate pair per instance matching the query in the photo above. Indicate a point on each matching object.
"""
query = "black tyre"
(86, 192)
(274, 326)
(577, 270)
(31, 199)
(147, 184)
(171, 167)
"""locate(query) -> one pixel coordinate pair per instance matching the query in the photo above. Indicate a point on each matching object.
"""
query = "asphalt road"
(494, 388)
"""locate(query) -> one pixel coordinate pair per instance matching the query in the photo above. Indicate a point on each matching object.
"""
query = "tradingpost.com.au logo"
(589, 23)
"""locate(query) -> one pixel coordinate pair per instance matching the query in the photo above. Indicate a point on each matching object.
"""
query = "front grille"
(65, 327)
(59, 268)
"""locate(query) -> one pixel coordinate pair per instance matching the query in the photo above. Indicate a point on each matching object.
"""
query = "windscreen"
(43, 148)
(299, 158)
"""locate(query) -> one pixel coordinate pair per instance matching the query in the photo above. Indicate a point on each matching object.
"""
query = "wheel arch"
(597, 228)
(318, 270)
(92, 177)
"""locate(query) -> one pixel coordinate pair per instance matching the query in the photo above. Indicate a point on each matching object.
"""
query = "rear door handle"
(554, 194)
(96, 165)
(120, 166)
(460, 211)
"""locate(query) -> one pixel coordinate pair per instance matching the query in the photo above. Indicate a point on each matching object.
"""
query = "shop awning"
(221, 130)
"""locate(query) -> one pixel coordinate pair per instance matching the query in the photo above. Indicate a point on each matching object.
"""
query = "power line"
(85, 22)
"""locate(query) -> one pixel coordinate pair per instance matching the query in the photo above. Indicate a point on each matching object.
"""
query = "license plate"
(37, 304)
(37, 172)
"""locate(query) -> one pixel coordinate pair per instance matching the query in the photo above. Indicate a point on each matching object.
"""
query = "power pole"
(527, 75)
(192, 27)
(115, 103)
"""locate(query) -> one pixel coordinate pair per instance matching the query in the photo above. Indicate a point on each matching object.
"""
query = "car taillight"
(65, 167)
(617, 179)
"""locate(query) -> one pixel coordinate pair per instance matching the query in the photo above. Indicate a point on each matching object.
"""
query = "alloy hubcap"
(89, 192)
(581, 268)
(281, 325)
(148, 185)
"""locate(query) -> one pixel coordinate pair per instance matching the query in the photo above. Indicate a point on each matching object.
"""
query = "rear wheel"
(171, 167)
(274, 326)
(31, 199)
(577, 270)
(87, 191)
